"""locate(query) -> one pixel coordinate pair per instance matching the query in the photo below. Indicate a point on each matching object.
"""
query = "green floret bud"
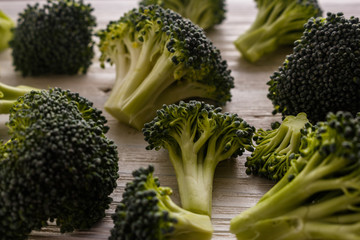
(197, 136)
(6, 26)
(146, 212)
(54, 38)
(204, 13)
(321, 197)
(160, 58)
(322, 73)
(278, 23)
(57, 166)
(276, 148)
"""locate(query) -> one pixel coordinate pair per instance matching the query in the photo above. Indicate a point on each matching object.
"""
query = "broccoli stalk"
(160, 58)
(6, 25)
(277, 23)
(320, 197)
(276, 148)
(9, 95)
(148, 208)
(205, 13)
(197, 137)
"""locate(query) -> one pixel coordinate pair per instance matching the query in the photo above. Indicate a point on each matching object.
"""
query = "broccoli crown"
(161, 58)
(54, 39)
(277, 147)
(6, 25)
(319, 196)
(146, 211)
(205, 13)
(278, 23)
(322, 73)
(198, 136)
(57, 165)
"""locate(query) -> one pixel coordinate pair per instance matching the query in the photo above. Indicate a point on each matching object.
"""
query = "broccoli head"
(197, 136)
(322, 73)
(319, 196)
(147, 212)
(278, 23)
(205, 13)
(160, 58)
(276, 148)
(58, 165)
(55, 38)
(6, 25)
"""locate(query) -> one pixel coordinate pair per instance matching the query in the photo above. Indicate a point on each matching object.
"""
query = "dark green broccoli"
(278, 23)
(58, 165)
(55, 38)
(160, 58)
(146, 212)
(319, 196)
(323, 73)
(197, 137)
(205, 13)
(276, 148)
(6, 25)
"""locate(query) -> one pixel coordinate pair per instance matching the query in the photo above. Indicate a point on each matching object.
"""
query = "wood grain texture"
(234, 191)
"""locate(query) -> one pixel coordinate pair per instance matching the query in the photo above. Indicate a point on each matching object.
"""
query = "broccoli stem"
(137, 83)
(194, 173)
(122, 58)
(175, 4)
(173, 94)
(294, 228)
(270, 29)
(189, 225)
(292, 194)
(200, 13)
(9, 95)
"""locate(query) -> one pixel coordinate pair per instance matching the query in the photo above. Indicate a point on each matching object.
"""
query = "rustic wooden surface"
(234, 191)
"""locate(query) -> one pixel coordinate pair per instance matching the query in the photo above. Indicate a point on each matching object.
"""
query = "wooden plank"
(234, 191)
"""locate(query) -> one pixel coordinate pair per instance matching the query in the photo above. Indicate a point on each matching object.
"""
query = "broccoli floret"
(6, 25)
(205, 13)
(55, 38)
(58, 165)
(146, 212)
(320, 198)
(322, 73)
(276, 148)
(278, 23)
(197, 136)
(160, 58)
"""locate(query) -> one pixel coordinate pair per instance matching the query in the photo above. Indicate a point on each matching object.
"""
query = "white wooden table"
(234, 191)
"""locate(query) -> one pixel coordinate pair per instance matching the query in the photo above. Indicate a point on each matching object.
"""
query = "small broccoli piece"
(276, 148)
(320, 198)
(322, 73)
(9, 95)
(58, 165)
(205, 13)
(6, 25)
(160, 58)
(146, 212)
(55, 38)
(197, 136)
(278, 23)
